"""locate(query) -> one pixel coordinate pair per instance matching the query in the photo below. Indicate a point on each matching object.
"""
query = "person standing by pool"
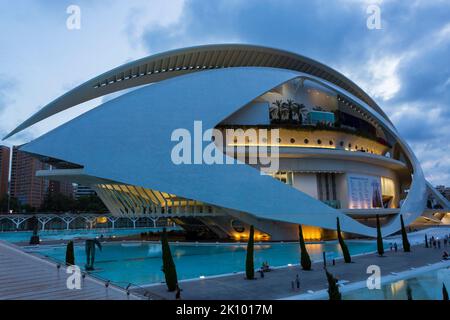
(297, 282)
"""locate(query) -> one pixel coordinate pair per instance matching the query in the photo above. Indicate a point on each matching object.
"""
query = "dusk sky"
(404, 66)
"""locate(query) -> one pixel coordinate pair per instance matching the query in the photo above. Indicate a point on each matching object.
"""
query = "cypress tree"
(34, 223)
(380, 247)
(249, 266)
(406, 245)
(409, 293)
(70, 255)
(344, 248)
(426, 241)
(333, 288)
(305, 260)
(444, 293)
(169, 269)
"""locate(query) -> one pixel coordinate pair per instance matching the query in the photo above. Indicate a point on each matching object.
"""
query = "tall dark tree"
(344, 248)
(14, 204)
(409, 293)
(70, 254)
(406, 245)
(380, 246)
(34, 225)
(305, 260)
(426, 241)
(249, 264)
(444, 293)
(333, 288)
(169, 269)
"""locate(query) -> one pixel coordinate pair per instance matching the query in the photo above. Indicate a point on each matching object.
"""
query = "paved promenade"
(27, 277)
(277, 283)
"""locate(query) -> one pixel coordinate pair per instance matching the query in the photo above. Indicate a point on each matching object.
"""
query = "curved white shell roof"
(178, 62)
(128, 140)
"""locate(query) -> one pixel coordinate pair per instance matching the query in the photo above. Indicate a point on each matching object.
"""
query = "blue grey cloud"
(414, 41)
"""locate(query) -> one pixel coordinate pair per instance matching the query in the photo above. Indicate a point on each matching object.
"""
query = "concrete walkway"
(26, 277)
(277, 283)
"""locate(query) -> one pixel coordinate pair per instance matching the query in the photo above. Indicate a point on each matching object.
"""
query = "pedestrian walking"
(439, 243)
(297, 282)
(395, 247)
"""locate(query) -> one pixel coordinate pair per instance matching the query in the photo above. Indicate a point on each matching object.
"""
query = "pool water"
(24, 236)
(427, 286)
(140, 263)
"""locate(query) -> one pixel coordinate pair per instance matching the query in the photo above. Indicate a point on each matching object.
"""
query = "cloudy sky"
(405, 65)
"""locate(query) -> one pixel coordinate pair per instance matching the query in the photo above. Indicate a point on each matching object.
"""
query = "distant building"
(445, 191)
(4, 170)
(25, 186)
(65, 188)
(83, 191)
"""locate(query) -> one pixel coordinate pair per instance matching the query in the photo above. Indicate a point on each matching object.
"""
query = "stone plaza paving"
(277, 284)
(26, 277)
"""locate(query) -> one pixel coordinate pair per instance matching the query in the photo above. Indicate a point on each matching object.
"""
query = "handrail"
(107, 282)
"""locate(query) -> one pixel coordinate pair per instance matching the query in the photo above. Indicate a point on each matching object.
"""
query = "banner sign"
(364, 192)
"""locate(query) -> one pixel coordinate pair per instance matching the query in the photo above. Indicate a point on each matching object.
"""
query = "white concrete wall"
(307, 183)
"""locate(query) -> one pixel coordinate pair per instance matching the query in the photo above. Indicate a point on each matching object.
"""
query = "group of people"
(295, 284)
(264, 268)
(436, 244)
(393, 246)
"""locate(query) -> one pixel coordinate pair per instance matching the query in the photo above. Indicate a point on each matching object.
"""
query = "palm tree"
(284, 112)
(290, 104)
(302, 111)
(274, 111)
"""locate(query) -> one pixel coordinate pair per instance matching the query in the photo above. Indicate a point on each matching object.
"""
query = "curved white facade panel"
(128, 140)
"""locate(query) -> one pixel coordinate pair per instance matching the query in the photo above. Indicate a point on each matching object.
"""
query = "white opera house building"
(338, 154)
